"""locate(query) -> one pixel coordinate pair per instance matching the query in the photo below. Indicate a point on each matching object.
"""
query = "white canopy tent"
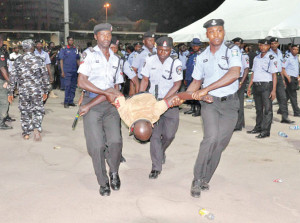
(250, 20)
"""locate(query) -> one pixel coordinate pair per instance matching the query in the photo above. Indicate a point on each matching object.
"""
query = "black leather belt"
(261, 83)
(226, 98)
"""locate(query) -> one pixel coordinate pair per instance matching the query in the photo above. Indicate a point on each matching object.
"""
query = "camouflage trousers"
(32, 111)
(3, 101)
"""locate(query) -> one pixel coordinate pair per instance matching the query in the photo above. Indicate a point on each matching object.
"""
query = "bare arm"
(48, 69)
(84, 109)
(273, 92)
(144, 84)
(78, 62)
(246, 71)
(4, 73)
(174, 89)
(284, 73)
(250, 85)
(231, 76)
(136, 84)
(62, 68)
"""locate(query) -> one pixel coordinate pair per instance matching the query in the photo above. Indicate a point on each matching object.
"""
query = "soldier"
(280, 88)
(242, 84)
(195, 44)
(165, 76)
(69, 62)
(4, 78)
(290, 69)
(264, 88)
(219, 68)
(99, 70)
(30, 72)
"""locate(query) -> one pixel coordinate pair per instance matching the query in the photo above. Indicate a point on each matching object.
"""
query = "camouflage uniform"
(30, 72)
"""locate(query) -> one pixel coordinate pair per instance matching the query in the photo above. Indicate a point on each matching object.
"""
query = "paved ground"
(43, 184)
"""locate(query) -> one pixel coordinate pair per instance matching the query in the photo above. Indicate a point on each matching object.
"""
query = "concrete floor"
(43, 184)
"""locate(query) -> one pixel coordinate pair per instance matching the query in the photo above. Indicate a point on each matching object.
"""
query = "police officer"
(69, 61)
(242, 84)
(290, 69)
(264, 88)
(195, 44)
(99, 70)
(219, 68)
(165, 76)
(4, 78)
(280, 88)
(30, 72)
(147, 50)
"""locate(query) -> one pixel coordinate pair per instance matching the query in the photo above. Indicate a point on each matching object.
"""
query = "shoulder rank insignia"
(229, 44)
(91, 49)
(139, 51)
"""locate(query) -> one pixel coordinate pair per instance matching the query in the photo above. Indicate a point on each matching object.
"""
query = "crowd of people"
(144, 84)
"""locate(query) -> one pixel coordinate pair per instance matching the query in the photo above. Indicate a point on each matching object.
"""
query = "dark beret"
(101, 27)
(165, 41)
(274, 39)
(114, 40)
(39, 41)
(196, 42)
(264, 41)
(138, 44)
(295, 45)
(70, 37)
(149, 34)
(238, 39)
(213, 22)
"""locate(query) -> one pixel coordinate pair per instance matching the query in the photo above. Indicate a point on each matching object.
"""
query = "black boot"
(4, 126)
(191, 111)
(198, 111)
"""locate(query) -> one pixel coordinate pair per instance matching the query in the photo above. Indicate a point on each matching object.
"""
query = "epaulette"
(139, 51)
(244, 53)
(287, 55)
(229, 44)
(152, 54)
(118, 55)
(271, 57)
(91, 49)
(174, 57)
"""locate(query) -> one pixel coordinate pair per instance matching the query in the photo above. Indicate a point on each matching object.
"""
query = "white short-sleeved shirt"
(291, 65)
(102, 73)
(162, 75)
(279, 58)
(211, 68)
(183, 57)
(43, 55)
(264, 67)
(127, 69)
(131, 56)
(139, 60)
(245, 63)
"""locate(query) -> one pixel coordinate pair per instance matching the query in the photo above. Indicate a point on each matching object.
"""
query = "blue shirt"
(211, 67)
(291, 65)
(191, 61)
(69, 55)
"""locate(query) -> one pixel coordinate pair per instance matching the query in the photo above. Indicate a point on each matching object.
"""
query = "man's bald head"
(142, 130)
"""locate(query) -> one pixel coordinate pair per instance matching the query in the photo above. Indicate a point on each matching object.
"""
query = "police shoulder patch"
(234, 52)
(271, 57)
(244, 53)
(139, 51)
(91, 49)
(229, 44)
(179, 70)
(83, 55)
(287, 55)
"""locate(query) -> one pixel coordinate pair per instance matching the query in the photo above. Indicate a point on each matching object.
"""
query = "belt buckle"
(223, 98)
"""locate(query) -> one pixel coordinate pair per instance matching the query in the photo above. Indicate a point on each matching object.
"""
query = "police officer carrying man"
(195, 44)
(165, 76)
(242, 84)
(280, 88)
(69, 62)
(4, 79)
(219, 67)
(290, 70)
(99, 70)
(264, 88)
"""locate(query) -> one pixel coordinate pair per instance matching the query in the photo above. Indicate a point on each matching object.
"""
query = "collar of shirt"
(40, 53)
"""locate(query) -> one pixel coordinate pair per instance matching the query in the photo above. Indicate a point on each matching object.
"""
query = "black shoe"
(235, 130)
(254, 131)
(115, 182)
(287, 121)
(197, 111)
(66, 105)
(263, 135)
(279, 112)
(196, 188)
(164, 159)
(191, 111)
(104, 190)
(204, 185)
(154, 174)
(122, 160)
(4, 126)
(72, 104)
(9, 119)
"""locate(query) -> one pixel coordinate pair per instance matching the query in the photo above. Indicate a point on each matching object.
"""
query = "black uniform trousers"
(219, 119)
(263, 106)
(291, 90)
(102, 129)
(162, 136)
(241, 118)
(281, 97)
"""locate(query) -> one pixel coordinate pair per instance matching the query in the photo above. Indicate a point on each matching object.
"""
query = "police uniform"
(245, 64)
(280, 88)
(3, 93)
(162, 78)
(102, 126)
(291, 65)
(139, 61)
(263, 68)
(69, 55)
(30, 72)
(219, 118)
